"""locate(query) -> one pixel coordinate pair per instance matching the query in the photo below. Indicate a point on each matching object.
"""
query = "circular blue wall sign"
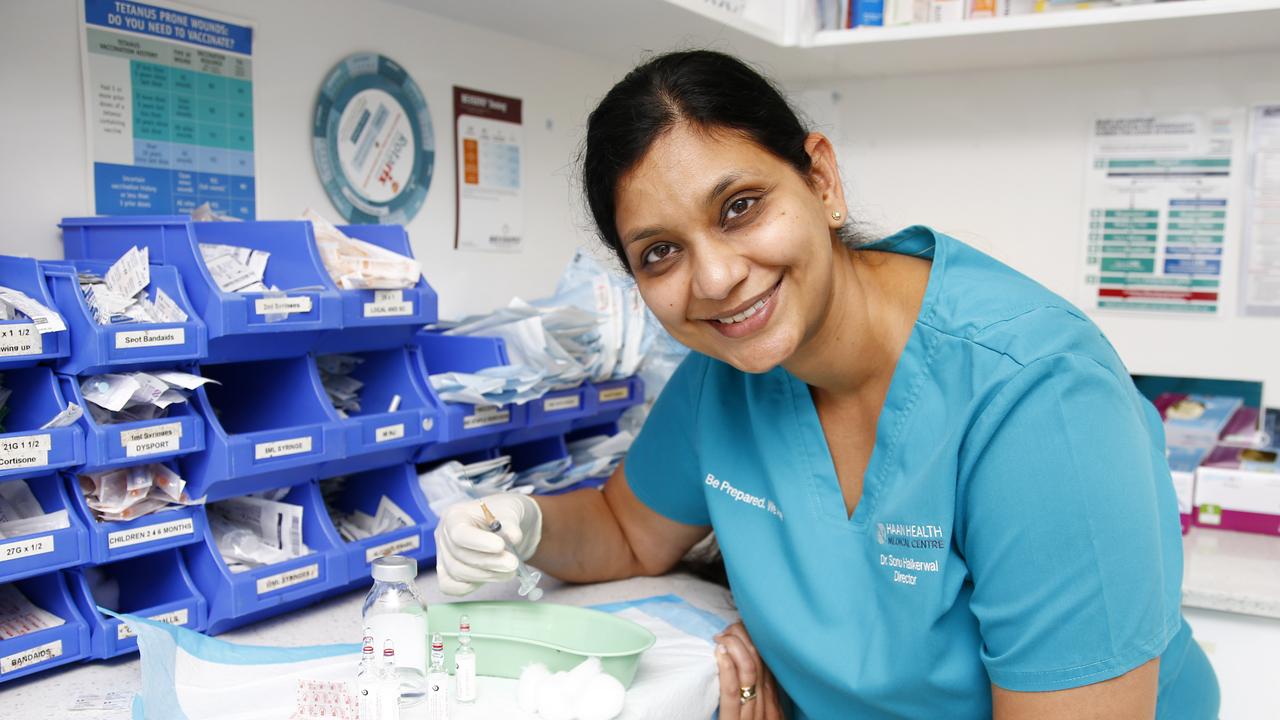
(372, 140)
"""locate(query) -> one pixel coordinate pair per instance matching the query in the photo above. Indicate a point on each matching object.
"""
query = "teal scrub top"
(1017, 525)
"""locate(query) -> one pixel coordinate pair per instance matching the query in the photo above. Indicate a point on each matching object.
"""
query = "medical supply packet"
(121, 295)
(354, 264)
(15, 304)
(254, 531)
(132, 492)
(19, 616)
(21, 513)
(133, 396)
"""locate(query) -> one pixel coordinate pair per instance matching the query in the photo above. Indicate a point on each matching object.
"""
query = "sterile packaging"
(134, 396)
(21, 513)
(1239, 489)
(132, 492)
(236, 269)
(342, 389)
(354, 264)
(121, 295)
(356, 525)
(15, 304)
(19, 616)
(1196, 419)
(1184, 460)
(255, 531)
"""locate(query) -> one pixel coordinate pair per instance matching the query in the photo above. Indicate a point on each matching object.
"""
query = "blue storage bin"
(467, 427)
(129, 443)
(43, 649)
(236, 599)
(49, 550)
(155, 586)
(377, 438)
(111, 541)
(237, 322)
(20, 344)
(133, 346)
(363, 492)
(273, 426)
(369, 320)
(612, 398)
(25, 449)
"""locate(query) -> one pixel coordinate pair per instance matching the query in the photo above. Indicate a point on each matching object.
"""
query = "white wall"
(44, 171)
(998, 159)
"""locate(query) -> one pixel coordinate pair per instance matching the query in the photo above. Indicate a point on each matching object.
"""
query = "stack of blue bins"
(131, 566)
(268, 423)
(32, 563)
(265, 425)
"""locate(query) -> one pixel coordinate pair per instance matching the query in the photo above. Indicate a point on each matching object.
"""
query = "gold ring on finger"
(746, 694)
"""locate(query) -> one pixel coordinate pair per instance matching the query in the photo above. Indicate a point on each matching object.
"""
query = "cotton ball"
(531, 679)
(554, 702)
(576, 679)
(601, 699)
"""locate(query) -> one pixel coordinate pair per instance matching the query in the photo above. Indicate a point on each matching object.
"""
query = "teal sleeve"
(662, 465)
(1076, 573)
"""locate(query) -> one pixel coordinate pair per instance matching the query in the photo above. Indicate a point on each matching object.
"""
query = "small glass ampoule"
(464, 663)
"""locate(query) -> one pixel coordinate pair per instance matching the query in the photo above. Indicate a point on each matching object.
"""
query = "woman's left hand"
(747, 688)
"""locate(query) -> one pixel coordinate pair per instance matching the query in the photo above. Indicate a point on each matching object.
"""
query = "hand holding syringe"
(528, 578)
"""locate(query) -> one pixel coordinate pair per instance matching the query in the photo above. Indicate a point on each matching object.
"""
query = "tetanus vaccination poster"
(169, 107)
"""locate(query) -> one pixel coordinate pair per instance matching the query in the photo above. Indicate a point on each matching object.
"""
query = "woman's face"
(731, 248)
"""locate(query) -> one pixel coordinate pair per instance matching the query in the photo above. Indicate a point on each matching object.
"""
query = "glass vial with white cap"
(393, 610)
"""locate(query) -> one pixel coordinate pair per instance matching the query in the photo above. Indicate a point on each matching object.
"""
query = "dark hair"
(711, 90)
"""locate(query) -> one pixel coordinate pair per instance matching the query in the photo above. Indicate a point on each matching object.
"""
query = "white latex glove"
(468, 553)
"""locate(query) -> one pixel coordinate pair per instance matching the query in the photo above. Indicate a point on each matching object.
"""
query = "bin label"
(179, 617)
(486, 415)
(395, 547)
(152, 440)
(20, 339)
(562, 403)
(618, 393)
(389, 432)
(282, 305)
(32, 656)
(159, 531)
(388, 303)
(26, 548)
(25, 451)
(151, 338)
(281, 448)
(287, 578)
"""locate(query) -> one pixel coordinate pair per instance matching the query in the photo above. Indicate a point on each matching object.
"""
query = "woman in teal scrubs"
(936, 491)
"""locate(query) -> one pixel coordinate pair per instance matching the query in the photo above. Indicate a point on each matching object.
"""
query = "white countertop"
(1232, 572)
(1224, 571)
(337, 619)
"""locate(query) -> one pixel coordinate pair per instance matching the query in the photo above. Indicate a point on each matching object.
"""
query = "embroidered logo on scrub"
(909, 536)
(742, 496)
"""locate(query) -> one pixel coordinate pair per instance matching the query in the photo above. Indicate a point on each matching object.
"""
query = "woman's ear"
(824, 176)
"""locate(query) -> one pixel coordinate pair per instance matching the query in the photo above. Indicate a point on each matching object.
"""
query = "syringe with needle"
(529, 578)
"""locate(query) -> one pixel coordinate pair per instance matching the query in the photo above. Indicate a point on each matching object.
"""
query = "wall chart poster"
(1260, 291)
(489, 145)
(169, 107)
(1163, 199)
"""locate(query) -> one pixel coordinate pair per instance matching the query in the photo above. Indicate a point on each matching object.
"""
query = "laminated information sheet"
(489, 141)
(1260, 283)
(169, 101)
(1162, 198)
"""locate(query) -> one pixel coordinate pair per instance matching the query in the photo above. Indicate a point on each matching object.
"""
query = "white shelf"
(1232, 572)
(1134, 33)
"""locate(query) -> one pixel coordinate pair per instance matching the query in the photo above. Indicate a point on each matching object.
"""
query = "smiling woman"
(936, 490)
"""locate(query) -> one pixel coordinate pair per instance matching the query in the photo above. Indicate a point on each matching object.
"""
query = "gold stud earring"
(836, 215)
